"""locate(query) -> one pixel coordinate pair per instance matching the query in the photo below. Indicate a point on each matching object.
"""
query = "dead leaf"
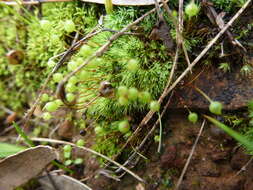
(62, 182)
(219, 19)
(161, 31)
(66, 129)
(21, 167)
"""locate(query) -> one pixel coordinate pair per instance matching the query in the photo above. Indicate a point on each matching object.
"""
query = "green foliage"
(228, 5)
(237, 136)
(23, 135)
(9, 149)
(225, 67)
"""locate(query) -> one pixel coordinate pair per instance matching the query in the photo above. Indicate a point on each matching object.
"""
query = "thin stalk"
(203, 94)
(160, 134)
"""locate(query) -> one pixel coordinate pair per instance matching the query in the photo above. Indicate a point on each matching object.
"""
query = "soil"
(215, 164)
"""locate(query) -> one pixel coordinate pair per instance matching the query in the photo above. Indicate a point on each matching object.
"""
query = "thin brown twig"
(179, 29)
(190, 156)
(91, 151)
(180, 18)
(242, 169)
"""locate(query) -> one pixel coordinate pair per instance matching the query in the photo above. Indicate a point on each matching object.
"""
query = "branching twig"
(190, 156)
(179, 29)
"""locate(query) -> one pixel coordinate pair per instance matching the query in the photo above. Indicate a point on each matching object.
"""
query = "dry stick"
(180, 17)
(61, 61)
(181, 27)
(149, 115)
(242, 169)
(91, 151)
(180, 39)
(190, 156)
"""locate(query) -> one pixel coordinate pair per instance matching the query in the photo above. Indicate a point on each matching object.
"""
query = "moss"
(22, 30)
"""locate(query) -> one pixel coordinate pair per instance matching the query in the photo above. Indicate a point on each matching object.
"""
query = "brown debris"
(66, 129)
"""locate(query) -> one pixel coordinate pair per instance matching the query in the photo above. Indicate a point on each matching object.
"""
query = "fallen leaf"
(21, 167)
(62, 182)
(161, 31)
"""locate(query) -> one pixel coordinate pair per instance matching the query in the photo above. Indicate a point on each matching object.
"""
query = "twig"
(190, 156)
(180, 18)
(7, 110)
(173, 67)
(242, 169)
(217, 19)
(160, 133)
(91, 151)
(179, 29)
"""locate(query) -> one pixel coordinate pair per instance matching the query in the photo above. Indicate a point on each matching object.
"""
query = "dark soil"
(214, 165)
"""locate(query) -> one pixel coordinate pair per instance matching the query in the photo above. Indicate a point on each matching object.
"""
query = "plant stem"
(108, 6)
(203, 94)
(160, 134)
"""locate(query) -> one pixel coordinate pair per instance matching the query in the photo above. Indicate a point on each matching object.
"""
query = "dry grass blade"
(190, 156)
(91, 151)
